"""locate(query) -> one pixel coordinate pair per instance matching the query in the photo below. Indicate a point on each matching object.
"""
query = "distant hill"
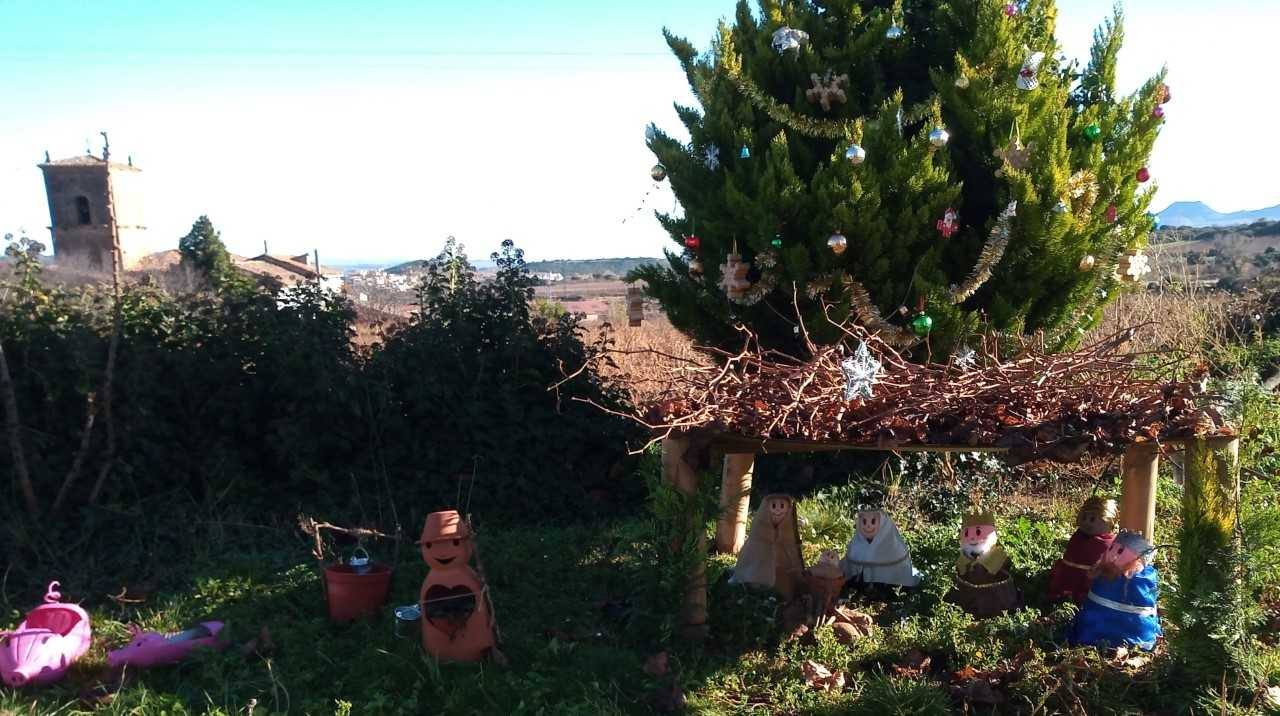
(568, 267)
(1197, 213)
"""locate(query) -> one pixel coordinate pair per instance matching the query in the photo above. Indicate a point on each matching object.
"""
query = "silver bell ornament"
(939, 137)
(855, 154)
(894, 32)
(837, 243)
(658, 172)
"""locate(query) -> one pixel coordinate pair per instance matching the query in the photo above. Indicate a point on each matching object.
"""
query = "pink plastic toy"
(46, 643)
(149, 648)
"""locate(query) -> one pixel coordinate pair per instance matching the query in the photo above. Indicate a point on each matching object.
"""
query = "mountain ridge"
(1198, 213)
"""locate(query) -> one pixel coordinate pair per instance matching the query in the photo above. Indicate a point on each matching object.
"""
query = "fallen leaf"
(846, 633)
(656, 665)
(821, 678)
(862, 622)
(968, 673)
(913, 665)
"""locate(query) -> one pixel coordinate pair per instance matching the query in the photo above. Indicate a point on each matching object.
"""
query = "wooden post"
(1139, 468)
(635, 306)
(735, 501)
(677, 472)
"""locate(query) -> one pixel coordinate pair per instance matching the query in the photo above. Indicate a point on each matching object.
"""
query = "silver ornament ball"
(855, 154)
(658, 172)
(837, 243)
(939, 137)
(894, 32)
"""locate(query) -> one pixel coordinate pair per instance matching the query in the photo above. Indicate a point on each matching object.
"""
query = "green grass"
(577, 621)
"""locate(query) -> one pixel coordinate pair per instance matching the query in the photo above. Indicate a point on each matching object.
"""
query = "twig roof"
(1035, 405)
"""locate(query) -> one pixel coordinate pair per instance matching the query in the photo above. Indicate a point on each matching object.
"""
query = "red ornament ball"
(1010, 9)
(1158, 112)
(1143, 175)
(692, 242)
(1111, 214)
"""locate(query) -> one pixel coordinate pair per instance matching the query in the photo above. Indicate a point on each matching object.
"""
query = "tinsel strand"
(991, 254)
(869, 316)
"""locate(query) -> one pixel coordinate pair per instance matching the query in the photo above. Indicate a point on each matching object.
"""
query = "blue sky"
(372, 130)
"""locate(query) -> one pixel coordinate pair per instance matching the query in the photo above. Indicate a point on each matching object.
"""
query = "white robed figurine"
(877, 554)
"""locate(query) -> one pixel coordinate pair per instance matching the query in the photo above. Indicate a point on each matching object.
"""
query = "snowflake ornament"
(786, 38)
(860, 373)
(1134, 266)
(712, 157)
(965, 358)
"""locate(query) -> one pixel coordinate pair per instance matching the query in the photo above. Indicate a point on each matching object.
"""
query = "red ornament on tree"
(1111, 214)
(949, 223)
(1010, 9)
(1143, 175)
(692, 242)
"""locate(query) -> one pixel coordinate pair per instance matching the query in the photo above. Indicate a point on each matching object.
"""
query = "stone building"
(81, 228)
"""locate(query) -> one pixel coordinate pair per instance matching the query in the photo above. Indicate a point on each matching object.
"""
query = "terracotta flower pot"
(353, 594)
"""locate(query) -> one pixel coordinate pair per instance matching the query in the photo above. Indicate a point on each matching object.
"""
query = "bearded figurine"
(1095, 527)
(877, 553)
(1120, 609)
(981, 583)
(771, 555)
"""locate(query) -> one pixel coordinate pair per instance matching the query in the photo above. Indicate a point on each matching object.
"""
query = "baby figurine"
(771, 555)
(1095, 526)
(982, 585)
(877, 553)
(1120, 609)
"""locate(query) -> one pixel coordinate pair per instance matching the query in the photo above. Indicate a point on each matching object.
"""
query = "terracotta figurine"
(771, 556)
(457, 619)
(1095, 531)
(1121, 607)
(982, 585)
(877, 553)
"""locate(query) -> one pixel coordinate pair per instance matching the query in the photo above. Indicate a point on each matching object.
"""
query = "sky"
(371, 131)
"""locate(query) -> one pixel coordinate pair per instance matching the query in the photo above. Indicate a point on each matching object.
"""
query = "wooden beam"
(735, 502)
(678, 473)
(1139, 469)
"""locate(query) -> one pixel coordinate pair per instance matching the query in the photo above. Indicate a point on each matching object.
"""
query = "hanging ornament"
(1158, 112)
(1143, 175)
(1086, 263)
(1010, 9)
(1092, 132)
(837, 243)
(922, 324)
(1061, 207)
(1013, 154)
(1162, 94)
(695, 269)
(894, 32)
(1111, 213)
(949, 223)
(733, 275)
(658, 172)
(1133, 266)
(1029, 75)
(939, 137)
(786, 38)
(965, 358)
(745, 153)
(903, 310)
(711, 157)
(777, 241)
(860, 372)
(692, 242)
(855, 154)
(962, 81)
(827, 89)
(1083, 187)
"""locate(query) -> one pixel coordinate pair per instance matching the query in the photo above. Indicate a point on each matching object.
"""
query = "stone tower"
(79, 221)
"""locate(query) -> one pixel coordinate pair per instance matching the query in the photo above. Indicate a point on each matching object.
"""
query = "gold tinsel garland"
(1083, 188)
(991, 254)
(780, 113)
(869, 316)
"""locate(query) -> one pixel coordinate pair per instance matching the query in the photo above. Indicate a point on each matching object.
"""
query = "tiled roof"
(87, 160)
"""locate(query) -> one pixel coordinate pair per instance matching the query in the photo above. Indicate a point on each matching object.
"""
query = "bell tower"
(89, 197)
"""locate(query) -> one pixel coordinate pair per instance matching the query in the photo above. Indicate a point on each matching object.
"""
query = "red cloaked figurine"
(1095, 531)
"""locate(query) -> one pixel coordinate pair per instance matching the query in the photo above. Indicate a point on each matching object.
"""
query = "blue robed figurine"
(1120, 609)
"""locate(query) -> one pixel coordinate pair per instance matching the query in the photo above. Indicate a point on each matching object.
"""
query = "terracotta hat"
(446, 524)
(1106, 508)
(975, 518)
(1135, 542)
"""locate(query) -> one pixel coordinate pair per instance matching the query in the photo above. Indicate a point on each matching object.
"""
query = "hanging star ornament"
(860, 373)
(712, 157)
(1014, 155)
(965, 358)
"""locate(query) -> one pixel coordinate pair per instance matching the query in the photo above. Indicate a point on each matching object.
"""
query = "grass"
(578, 625)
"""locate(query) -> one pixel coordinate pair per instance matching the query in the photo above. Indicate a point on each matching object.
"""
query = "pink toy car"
(149, 648)
(46, 643)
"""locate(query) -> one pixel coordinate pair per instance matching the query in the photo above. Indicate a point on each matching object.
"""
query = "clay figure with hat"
(1120, 609)
(457, 616)
(1095, 531)
(981, 583)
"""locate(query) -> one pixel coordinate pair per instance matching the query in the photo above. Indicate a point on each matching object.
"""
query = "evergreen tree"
(202, 249)
(774, 170)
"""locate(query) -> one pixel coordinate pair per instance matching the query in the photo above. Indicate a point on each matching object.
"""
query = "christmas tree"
(930, 168)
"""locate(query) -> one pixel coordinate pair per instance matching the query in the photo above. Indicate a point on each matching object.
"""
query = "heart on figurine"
(448, 608)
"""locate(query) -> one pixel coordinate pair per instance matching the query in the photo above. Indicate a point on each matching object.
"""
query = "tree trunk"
(735, 502)
(14, 431)
(1140, 469)
(677, 472)
(117, 319)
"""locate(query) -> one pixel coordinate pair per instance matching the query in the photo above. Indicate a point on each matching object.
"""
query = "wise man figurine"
(1095, 531)
(457, 618)
(982, 585)
(1120, 609)
(877, 554)
(771, 555)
